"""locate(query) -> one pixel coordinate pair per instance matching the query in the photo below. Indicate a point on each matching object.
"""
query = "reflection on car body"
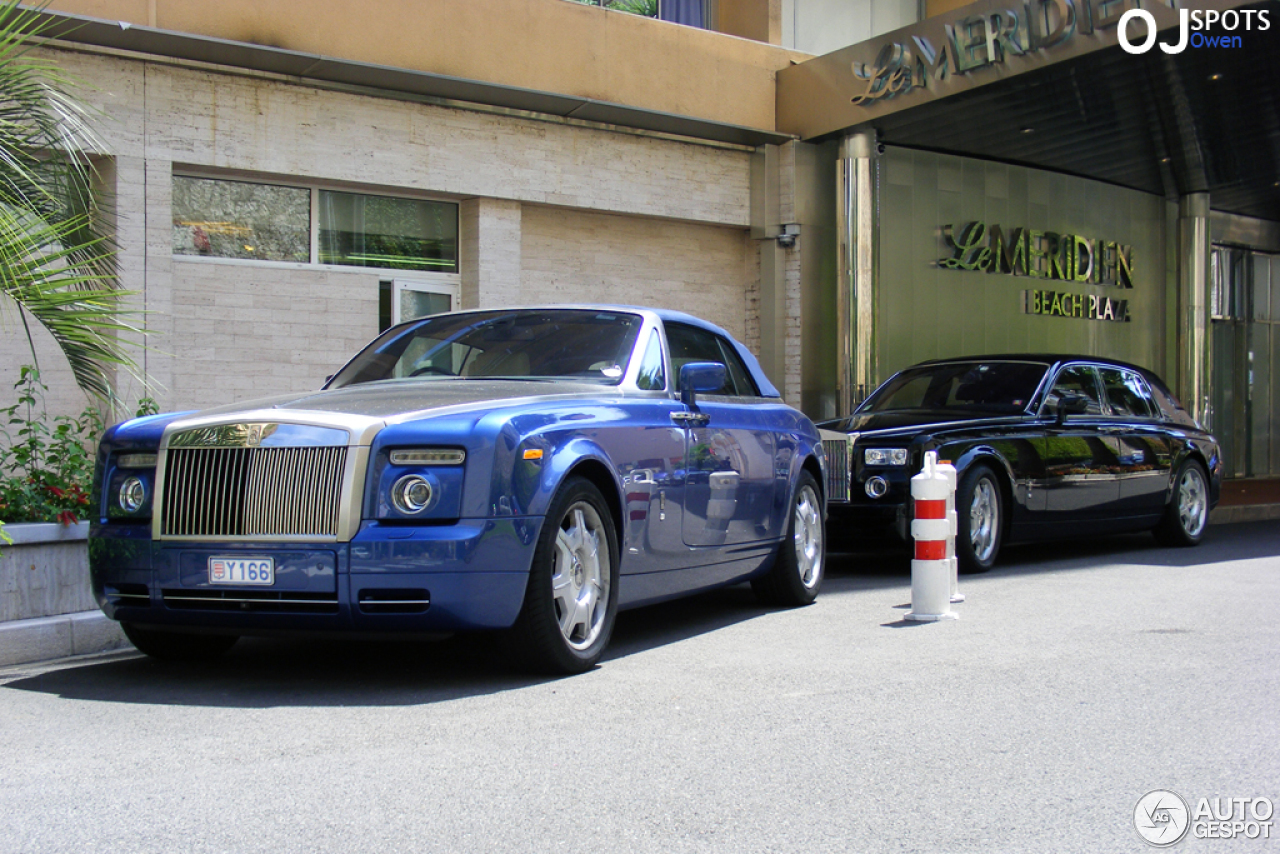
(529, 471)
(1046, 446)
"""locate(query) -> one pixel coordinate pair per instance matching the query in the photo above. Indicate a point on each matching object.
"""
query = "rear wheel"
(801, 561)
(979, 523)
(1187, 515)
(178, 646)
(572, 597)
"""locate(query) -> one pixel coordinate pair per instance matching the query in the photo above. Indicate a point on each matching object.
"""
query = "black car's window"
(522, 344)
(1074, 381)
(651, 375)
(1127, 394)
(989, 386)
(691, 344)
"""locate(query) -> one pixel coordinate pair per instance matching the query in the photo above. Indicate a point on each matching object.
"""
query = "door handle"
(690, 419)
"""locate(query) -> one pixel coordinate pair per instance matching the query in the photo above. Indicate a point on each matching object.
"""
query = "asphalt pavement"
(1079, 678)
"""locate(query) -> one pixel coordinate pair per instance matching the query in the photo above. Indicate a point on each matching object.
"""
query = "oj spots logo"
(1162, 818)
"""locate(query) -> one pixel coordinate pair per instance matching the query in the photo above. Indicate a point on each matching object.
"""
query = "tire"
(1187, 515)
(801, 562)
(571, 600)
(979, 520)
(178, 646)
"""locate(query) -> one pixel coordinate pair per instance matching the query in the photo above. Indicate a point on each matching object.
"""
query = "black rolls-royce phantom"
(1045, 446)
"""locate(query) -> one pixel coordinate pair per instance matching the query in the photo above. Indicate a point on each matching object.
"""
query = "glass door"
(1246, 382)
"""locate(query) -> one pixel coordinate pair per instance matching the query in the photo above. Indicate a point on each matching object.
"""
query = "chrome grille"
(837, 450)
(247, 492)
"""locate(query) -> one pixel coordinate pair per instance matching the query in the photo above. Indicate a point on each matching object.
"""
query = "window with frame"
(359, 230)
(691, 344)
(1127, 393)
(1074, 381)
(248, 220)
(240, 219)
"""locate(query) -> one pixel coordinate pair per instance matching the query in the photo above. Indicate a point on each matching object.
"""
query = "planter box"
(45, 572)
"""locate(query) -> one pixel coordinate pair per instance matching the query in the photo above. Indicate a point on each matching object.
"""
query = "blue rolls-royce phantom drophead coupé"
(527, 471)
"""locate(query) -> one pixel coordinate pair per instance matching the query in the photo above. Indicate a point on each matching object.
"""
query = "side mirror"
(700, 378)
(1072, 403)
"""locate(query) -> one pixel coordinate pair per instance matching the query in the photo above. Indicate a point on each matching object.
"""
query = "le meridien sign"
(986, 39)
(979, 247)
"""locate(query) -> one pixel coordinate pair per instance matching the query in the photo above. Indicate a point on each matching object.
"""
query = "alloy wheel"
(580, 577)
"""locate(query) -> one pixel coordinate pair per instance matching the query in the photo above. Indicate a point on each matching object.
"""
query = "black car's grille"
(257, 601)
(246, 492)
(837, 451)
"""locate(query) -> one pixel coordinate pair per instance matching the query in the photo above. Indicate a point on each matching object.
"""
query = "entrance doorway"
(1245, 411)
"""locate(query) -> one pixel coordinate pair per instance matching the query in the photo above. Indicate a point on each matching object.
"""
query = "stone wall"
(548, 212)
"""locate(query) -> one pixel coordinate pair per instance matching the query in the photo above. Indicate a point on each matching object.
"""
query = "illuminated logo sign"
(1071, 258)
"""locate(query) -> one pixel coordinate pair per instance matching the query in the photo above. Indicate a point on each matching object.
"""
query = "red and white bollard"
(950, 471)
(934, 535)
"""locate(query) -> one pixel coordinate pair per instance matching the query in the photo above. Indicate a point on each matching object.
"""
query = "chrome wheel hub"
(984, 519)
(580, 577)
(808, 537)
(1193, 502)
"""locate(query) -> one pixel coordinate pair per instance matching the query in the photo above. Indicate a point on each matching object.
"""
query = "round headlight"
(132, 495)
(411, 494)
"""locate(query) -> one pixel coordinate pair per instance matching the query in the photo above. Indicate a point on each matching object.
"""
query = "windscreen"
(988, 386)
(585, 345)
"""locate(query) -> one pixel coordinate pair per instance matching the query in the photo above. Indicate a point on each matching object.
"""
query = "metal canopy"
(1204, 120)
(389, 81)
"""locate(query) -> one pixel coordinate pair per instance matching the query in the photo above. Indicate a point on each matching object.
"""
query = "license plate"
(242, 570)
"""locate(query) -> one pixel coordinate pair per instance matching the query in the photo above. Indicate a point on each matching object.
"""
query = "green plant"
(55, 266)
(46, 467)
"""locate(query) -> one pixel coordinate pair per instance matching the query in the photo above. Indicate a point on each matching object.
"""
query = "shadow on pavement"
(267, 673)
(274, 672)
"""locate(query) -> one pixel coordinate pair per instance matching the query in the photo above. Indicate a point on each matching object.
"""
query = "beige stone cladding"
(570, 256)
(244, 330)
(548, 211)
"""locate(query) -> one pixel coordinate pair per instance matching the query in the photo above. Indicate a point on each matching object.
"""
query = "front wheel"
(178, 646)
(572, 596)
(1187, 515)
(979, 523)
(801, 561)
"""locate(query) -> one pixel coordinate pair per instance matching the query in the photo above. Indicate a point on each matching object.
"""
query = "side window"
(1127, 393)
(737, 370)
(691, 344)
(1074, 380)
(651, 376)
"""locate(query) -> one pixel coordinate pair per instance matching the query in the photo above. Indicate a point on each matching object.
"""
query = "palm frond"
(40, 275)
(54, 262)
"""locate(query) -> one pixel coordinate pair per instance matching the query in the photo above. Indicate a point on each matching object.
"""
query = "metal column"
(1195, 360)
(857, 270)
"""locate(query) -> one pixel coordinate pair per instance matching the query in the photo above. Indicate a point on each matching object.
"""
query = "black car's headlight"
(885, 456)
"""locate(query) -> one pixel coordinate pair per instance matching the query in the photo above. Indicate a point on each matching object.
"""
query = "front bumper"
(420, 579)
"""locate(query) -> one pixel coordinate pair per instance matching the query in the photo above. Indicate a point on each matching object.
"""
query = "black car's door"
(1081, 470)
(1145, 451)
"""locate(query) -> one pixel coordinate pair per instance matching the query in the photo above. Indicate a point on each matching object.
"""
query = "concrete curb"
(47, 638)
(1244, 513)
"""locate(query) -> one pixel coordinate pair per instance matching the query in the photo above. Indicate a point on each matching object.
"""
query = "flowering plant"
(46, 467)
